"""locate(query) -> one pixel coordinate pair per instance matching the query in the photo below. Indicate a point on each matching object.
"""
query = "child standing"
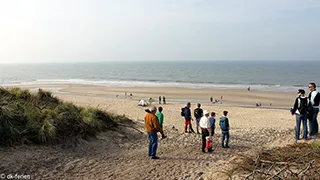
(224, 125)
(212, 120)
(159, 114)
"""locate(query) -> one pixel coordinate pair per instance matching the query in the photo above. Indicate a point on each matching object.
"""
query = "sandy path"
(103, 158)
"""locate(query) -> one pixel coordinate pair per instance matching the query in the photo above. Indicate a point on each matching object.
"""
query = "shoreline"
(230, 97)
(179, 84)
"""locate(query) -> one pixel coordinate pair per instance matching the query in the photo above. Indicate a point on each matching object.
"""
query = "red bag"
(209, 143)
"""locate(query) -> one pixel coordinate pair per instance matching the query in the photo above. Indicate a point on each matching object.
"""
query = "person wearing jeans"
(152, 127)
(314, 122)
(314, 98)
(300, 109)
(225, 127)
(225, 135)
(153, 144)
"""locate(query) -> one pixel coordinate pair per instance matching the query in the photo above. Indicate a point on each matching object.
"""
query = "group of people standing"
(154, 124)
(306, 110)
(206, 122)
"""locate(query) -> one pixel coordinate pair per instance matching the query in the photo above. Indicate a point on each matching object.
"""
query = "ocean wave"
(130, 83)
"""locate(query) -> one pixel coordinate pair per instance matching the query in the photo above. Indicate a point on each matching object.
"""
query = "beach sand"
(116, 156)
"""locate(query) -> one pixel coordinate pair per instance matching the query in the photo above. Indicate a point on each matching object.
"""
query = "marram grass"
(42, 118)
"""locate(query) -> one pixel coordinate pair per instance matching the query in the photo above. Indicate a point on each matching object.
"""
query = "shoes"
(154, 157)
(210, 150)
(227, 147)
(203, 151)
(186, 131)
(222, 146)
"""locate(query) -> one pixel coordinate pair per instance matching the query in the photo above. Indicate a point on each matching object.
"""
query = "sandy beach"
(116, 156)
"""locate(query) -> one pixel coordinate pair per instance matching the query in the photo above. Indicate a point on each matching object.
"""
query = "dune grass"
(42, 118)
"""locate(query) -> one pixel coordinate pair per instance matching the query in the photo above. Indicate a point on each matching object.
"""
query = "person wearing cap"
(187, 119)
(300, 109)
(205, 130)
(152, 128)
(314, 98)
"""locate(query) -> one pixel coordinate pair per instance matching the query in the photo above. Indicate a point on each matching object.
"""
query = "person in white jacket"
(205, 129)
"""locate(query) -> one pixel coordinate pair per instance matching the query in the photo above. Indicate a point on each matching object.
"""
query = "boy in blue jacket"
(224, 125)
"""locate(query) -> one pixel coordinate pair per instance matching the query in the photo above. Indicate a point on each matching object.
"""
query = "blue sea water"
(259, 75)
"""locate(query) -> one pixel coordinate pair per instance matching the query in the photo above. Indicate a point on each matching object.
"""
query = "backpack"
(223, 124)
(182, 112)
(303, 105)
(197, 113)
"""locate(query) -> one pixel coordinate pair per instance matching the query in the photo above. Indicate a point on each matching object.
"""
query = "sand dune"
(115, 155)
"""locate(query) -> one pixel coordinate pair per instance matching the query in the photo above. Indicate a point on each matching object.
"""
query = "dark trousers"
(225, 135)
(204, 134)
(313, 122)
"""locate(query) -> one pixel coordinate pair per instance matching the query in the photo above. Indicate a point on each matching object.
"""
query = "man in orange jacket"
(152, 127)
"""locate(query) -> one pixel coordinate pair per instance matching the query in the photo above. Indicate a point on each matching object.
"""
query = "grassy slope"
(44, 119)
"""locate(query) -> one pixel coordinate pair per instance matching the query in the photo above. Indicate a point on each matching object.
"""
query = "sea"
(279, 76)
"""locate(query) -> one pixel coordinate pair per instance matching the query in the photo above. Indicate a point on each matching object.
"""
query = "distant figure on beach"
(205, 130)
(212, 121)
(300, 109)
(160, 116)
(187, 119)
(117, 95)
(270, 104)
(314, 99)
(164, 99)
(260, 104)
(150, 100)
(221, 99)
(211, 99)
(152, 127)
(131, 95)
(198, 114)
(159, 99)
(224, 125)
(125, 94)
(248, 88)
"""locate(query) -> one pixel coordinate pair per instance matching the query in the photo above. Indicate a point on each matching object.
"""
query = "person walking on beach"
(164, 99)
(187, 119)
(314, 99)
(159, 99)
(205, 130)
(300, 109)
(224, 125)
(212, 121)
(160, 117)
(211, 99)
(152, 127)
(198, 114)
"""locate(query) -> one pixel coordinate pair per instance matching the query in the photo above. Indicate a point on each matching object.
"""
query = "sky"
(38, 31)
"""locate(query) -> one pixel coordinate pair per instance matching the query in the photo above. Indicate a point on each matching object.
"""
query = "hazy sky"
(120, 30)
